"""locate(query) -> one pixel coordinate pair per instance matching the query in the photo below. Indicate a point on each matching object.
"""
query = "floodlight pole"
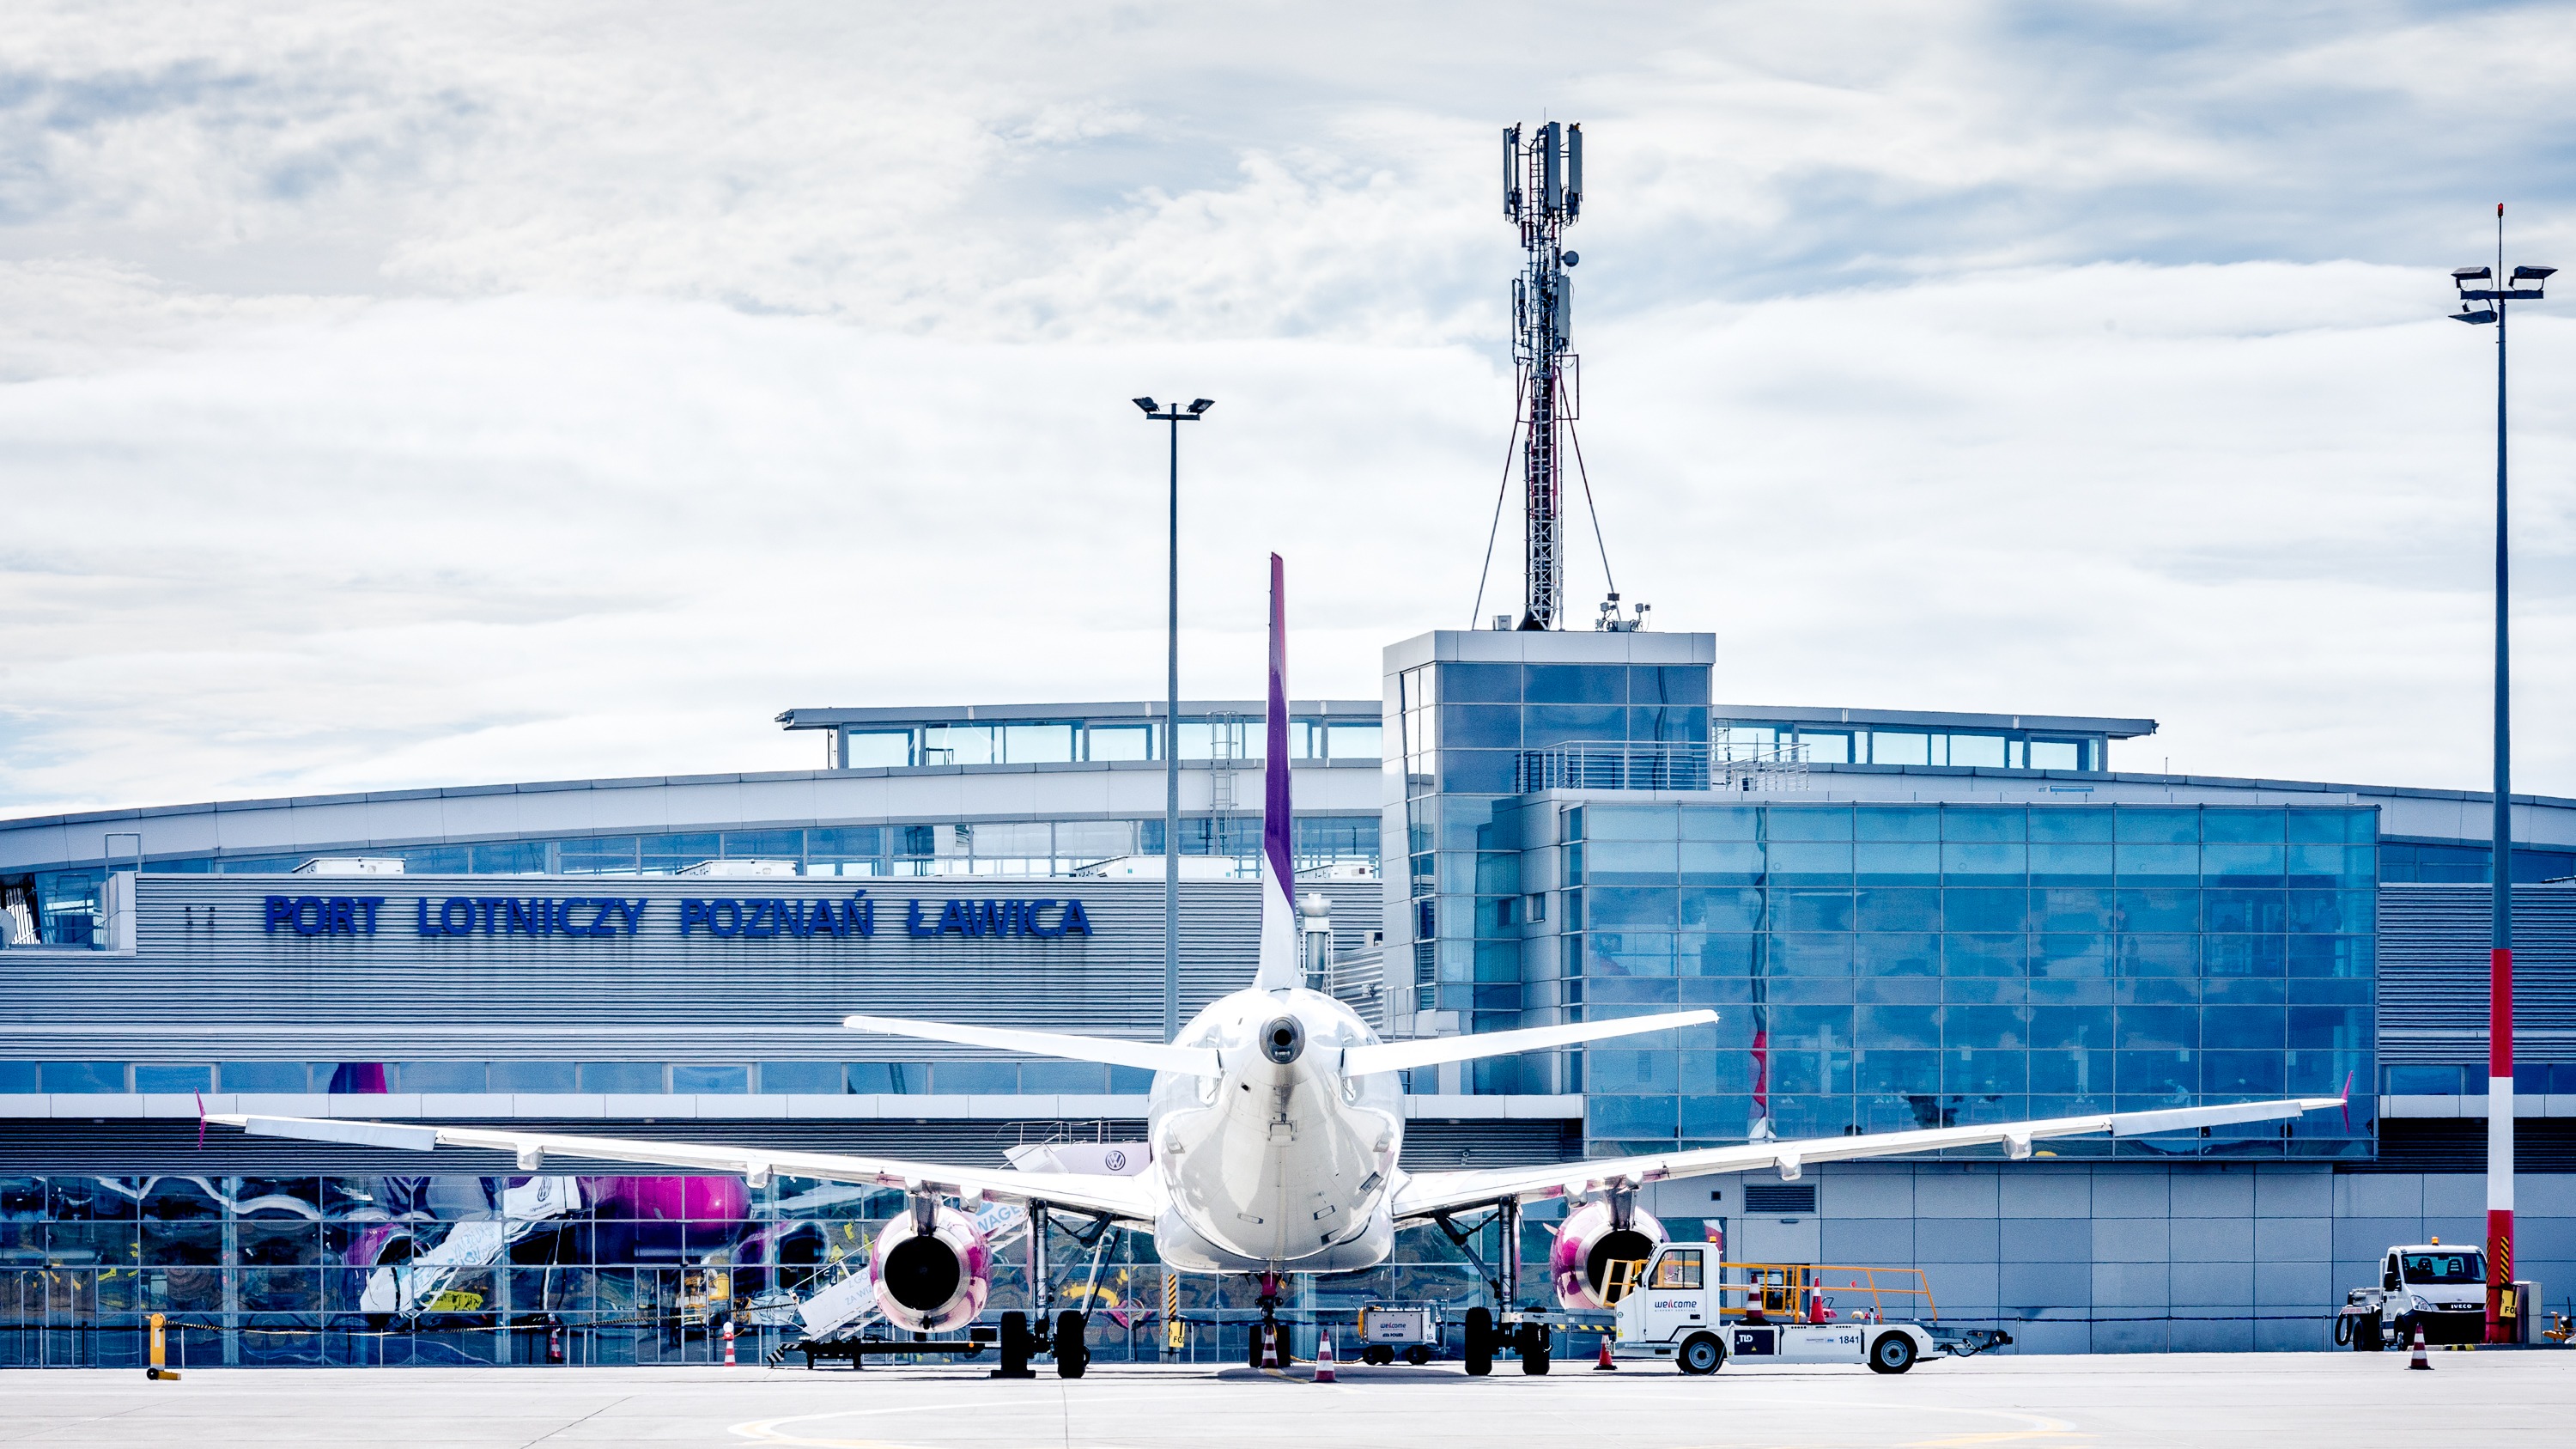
(2500, 290)
(1175, 415)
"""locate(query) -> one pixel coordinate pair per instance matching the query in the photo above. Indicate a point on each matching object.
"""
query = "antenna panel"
(1574, 169)
(1512, 173)
(1555, 177)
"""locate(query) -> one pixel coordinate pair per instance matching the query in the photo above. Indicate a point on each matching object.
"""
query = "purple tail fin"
(1281, 963)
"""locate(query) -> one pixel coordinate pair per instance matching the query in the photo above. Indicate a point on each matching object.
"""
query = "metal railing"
(1654, 765)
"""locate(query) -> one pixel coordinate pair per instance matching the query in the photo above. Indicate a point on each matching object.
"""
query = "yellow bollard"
(160, 1352)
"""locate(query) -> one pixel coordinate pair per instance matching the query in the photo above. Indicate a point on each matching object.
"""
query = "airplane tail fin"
(1282, 959)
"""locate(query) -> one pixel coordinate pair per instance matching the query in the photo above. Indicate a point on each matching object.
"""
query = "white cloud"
(397, 397)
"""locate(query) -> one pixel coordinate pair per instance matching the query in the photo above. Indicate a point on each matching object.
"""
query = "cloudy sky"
(400, 395)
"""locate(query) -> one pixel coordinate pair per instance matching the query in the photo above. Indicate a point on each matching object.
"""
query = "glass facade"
(305, 1271)
(1463, 728)
(1202, 737)
(1002, 1077)
(1833, 743)
(1881, 967)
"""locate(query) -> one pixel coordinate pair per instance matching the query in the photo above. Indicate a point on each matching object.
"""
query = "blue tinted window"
(1722, 910)
(82, 1076)
(441, 1077)
(1811, 1028)
(1720, 862)
(1797, 910)
(1897, 864)
(952, 1079)
(1983, 1027)
(2236, 956)
(1063, 1077)
(18, 1077)
(1630, 822)
(1983, 1071)
(2242, 1074)
(2179, 862)
(1811, 864)
(532, 1077)
(2241, 1027)
(2054, 1028)
(802, 1078)
(1576, 684)
(2070, 956)
(2158, 1075)
(2080, 823)
(2150, 825)
(1897, 822)
(1982, 955)
(889, 1078)
(1722, 822)
(261, 1076)
(1984, 910)
(1543, 725)
(2072, 908)
(644, 1077)
(2428, 1082)
(1478, 772)
(1481, 726)
(2159, 910)
(2329, 912)
(154, 1077)
(1631, 862)
(2158, 1026)
(1973, 859)
(2083, 1072)
(2262, 862)
(2340, 1028)
(1495, 683)
(1632, 1117)
(2175, 955)
(1719, 955)
(1816, 954)
(2236, 823)
(1984, 823)
(1889, 909)
(1896, 1026)
(1633, 906)
(2071, 864)
(1879, 1071)
(2242, 910)
(1810, 823)
(710, 1080)
(1896, 954)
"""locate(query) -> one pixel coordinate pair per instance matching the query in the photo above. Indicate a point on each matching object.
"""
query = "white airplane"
(1274, 1140)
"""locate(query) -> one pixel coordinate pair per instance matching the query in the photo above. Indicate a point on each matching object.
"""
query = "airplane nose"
(1283, 1040)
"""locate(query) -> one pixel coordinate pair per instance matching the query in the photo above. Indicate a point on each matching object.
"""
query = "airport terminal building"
(1903, 919)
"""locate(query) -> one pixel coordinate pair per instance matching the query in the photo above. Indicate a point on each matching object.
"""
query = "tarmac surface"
(2271, 1400)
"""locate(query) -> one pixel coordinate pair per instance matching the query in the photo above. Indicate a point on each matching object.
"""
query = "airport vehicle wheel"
(1072, 1354)
(152, 1373)
(1377, 1354)
(1418, 1355)
(2367, 1335)
(1892, 1354)
(1480, 1342)
(1701, 1355)
(1534, 1347)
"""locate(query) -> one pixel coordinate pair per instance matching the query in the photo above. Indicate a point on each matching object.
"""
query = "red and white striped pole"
(2500, 953)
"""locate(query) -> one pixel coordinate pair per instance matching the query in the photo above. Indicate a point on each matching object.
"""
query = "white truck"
(1684, 1308)
(2442, 1291)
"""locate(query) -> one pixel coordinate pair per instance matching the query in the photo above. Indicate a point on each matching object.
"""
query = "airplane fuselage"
(1279, 1162)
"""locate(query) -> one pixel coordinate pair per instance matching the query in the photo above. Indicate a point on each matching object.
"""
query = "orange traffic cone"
(2419, 1361)
(1324, 1357)
(1604, 1365)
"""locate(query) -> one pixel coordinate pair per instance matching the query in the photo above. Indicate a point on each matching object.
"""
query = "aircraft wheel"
(1480, 1342)
(1701, 1355)
(1418, 1355)
(1072, 1353)
(1534, 1346)
(1892, 1354)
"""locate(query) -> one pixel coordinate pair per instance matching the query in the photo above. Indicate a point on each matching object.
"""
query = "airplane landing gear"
(1072, 1346)
(1017, 1345)
(1268, 1348)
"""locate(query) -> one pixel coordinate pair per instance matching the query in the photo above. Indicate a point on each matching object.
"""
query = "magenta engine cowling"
(1588, 1244)
(931, 1282)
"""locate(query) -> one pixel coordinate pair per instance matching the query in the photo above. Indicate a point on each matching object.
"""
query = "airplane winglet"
(201, 1121)
(2347, 1100)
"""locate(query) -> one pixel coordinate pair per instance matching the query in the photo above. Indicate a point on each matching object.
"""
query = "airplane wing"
(1152, 1056)
(1388, 1056)
(1128, 1199)
(1425, 1193)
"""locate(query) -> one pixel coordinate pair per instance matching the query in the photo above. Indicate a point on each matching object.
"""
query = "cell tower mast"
(1543, 193)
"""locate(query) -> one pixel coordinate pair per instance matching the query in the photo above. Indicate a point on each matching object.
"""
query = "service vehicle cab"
(1688, 1305)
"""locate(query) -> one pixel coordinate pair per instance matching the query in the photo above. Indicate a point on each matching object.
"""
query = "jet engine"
(931, 1269)
(1605, 1231)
